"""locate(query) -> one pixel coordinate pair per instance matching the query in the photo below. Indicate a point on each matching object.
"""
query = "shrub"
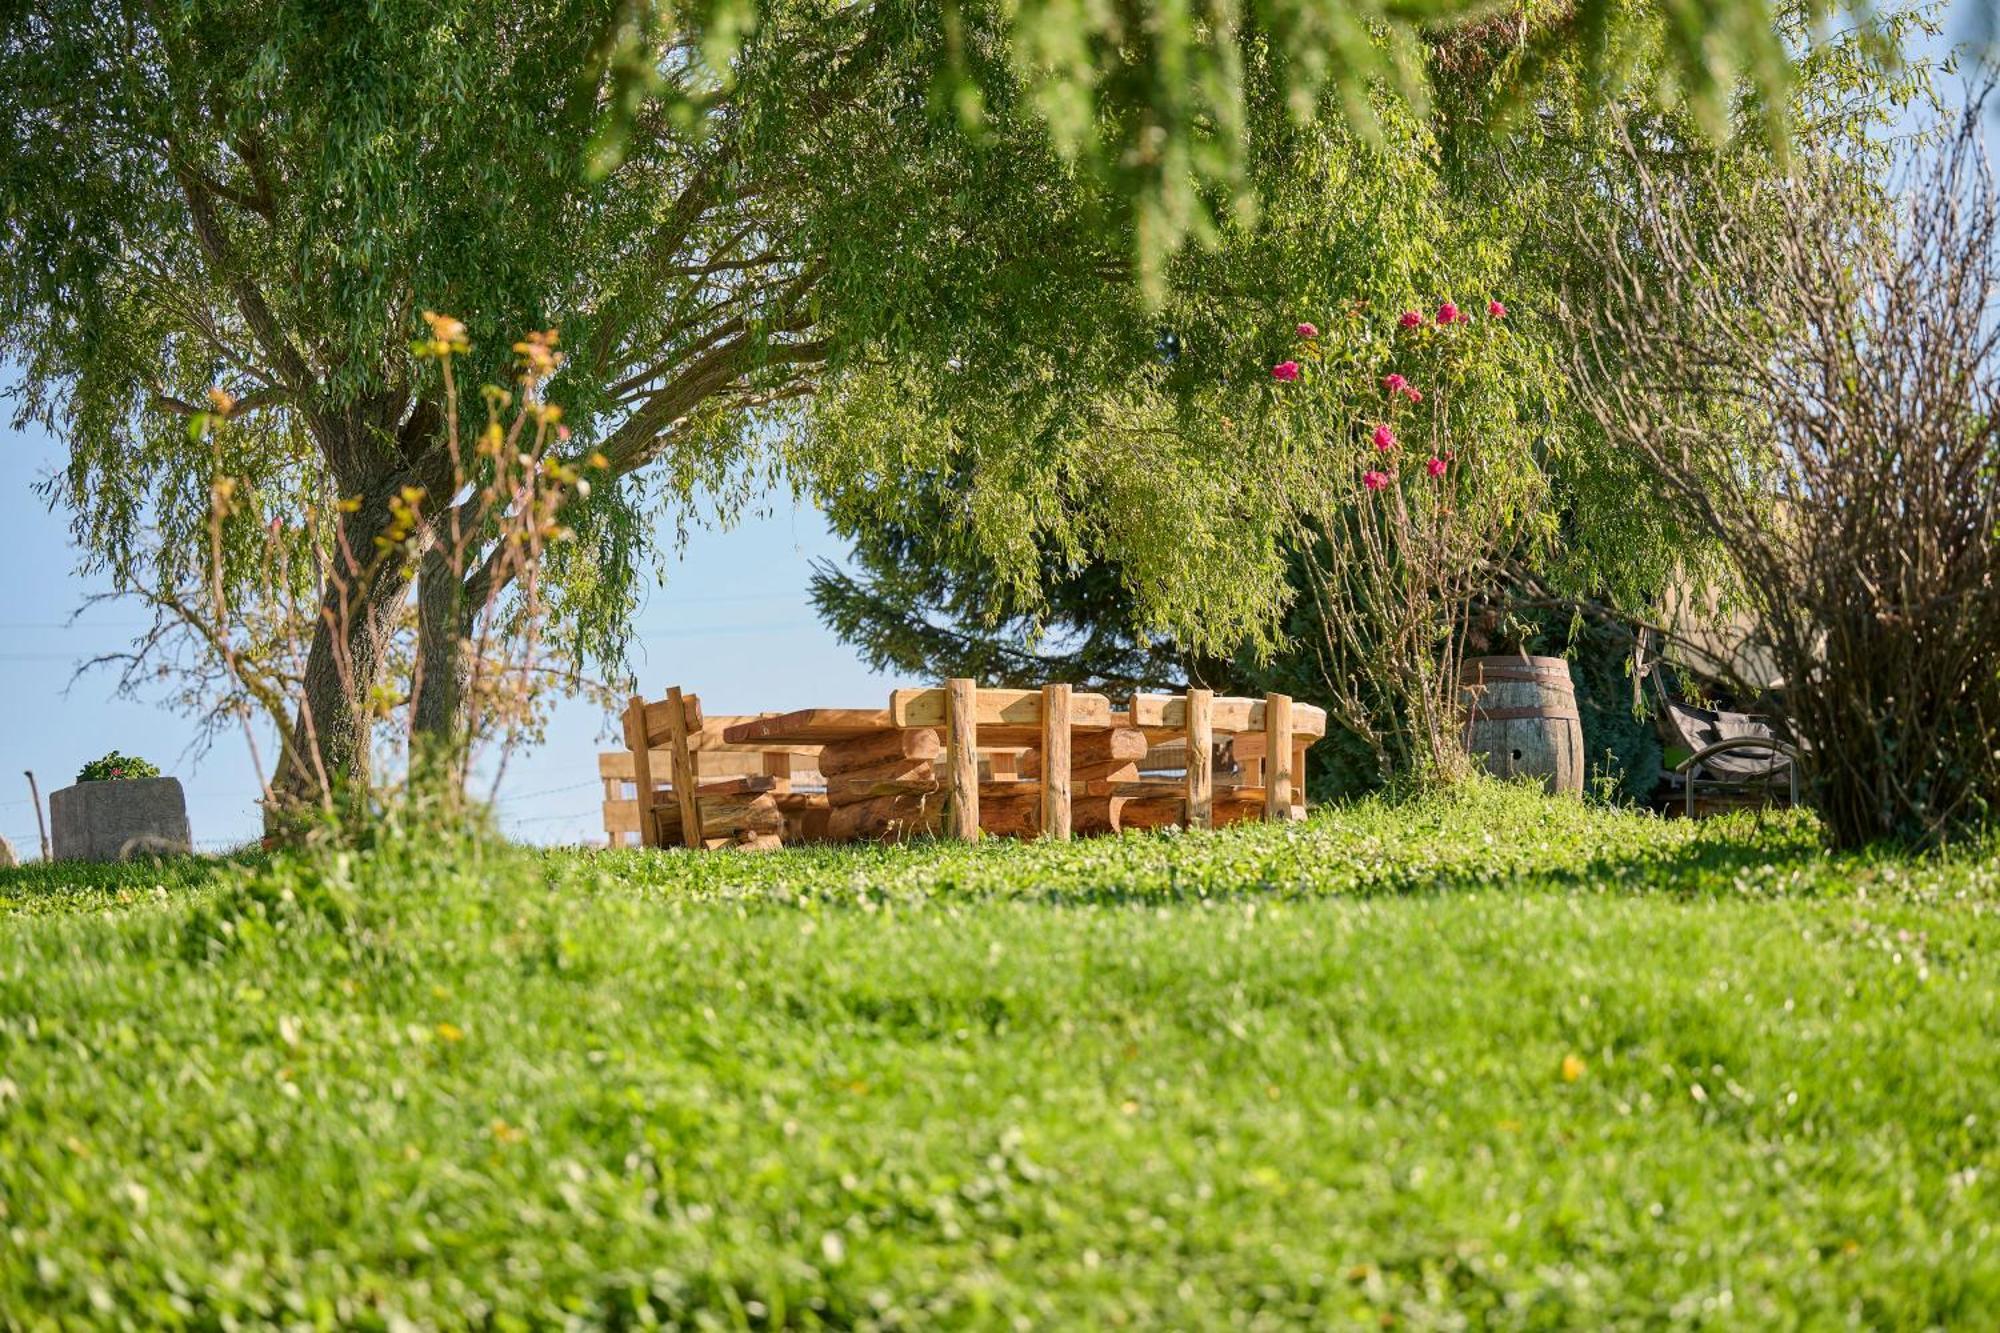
(1825, 402)
(115, 767)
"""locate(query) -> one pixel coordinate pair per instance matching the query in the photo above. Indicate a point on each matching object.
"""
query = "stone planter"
(109, 821)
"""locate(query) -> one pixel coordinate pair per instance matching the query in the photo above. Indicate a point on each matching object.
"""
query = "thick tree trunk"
(327, 755)
(443, 665)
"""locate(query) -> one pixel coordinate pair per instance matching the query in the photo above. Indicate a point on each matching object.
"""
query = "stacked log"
(1014, 810)
(725, 816)
(1112, 755)
(883, 785)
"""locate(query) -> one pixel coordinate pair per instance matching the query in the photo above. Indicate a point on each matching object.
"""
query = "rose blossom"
(1435, 467)
(1286, 371)
(1308, 331)
(1496, 310)
(1374, 481)
(1410, 319)
(1394, 383)
(1385, 439)
(1447, 313)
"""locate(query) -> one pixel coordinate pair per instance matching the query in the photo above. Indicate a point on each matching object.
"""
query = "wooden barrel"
(1521, 719)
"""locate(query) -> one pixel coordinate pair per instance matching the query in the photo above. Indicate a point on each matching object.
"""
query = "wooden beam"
(997, 708)
(809, 726)
(1229, 713)
(660, 717)
(887, 746)
(1105, 750)
(1198, 708)
(1278, 756)
(1055, 762)
(640, 748)
(961, 748)
(684, 774)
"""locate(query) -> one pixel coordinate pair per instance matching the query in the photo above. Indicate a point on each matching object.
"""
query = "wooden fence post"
(1201, 758)
(1055, 762)
(684, 778)
(961, 740)
(642, 770)
(1277, 756)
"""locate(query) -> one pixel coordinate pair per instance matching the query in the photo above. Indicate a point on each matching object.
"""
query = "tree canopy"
(950, 211)
(1364, 227)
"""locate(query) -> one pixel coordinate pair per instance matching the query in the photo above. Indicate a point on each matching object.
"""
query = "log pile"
(882, 785)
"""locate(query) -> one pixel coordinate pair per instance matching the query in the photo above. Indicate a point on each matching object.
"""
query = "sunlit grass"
(1484, 1059)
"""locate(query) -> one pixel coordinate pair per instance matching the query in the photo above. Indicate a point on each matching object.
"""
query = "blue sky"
(732, 623)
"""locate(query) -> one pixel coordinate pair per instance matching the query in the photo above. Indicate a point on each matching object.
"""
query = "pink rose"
(1385, 439)
(1308, 331)
(1447, 313)
(1410, 319)
(1496, 310)
(1286, 371)
(1435, 467)
(1394, 383)
(1414, 394)
(1374, 481)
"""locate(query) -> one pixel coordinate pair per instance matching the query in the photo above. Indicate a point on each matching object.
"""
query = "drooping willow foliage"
(1081, 581)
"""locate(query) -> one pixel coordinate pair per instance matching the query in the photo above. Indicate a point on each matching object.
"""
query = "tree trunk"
(443, 666)
(327, 755)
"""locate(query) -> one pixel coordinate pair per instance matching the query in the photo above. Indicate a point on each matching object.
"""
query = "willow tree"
(263, 199)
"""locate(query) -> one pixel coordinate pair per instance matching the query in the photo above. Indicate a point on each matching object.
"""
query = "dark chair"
(1731, 752)
(1727, 752)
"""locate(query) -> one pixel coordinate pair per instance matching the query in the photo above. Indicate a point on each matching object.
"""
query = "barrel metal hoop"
(1551, 680)
(1520, 715)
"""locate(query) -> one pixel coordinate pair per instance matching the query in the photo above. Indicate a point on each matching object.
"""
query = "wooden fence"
(957, 760)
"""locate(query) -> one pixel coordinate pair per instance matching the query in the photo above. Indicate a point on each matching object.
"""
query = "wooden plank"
(778, 767)
(749, 784)
(809, 726)
(961, 749)
(659, 717)
(1056, 700)
(621, 817)
(1277, 756)
(684, 776)
(1229, 714)
(641, 752)
(616, 765)
(1198, 710)
(997, 708)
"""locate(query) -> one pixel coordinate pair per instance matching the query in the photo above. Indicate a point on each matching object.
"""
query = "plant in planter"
(116, 767)
(119, 807)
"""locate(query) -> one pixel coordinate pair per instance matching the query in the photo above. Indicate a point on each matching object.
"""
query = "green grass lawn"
(1480, 1061)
